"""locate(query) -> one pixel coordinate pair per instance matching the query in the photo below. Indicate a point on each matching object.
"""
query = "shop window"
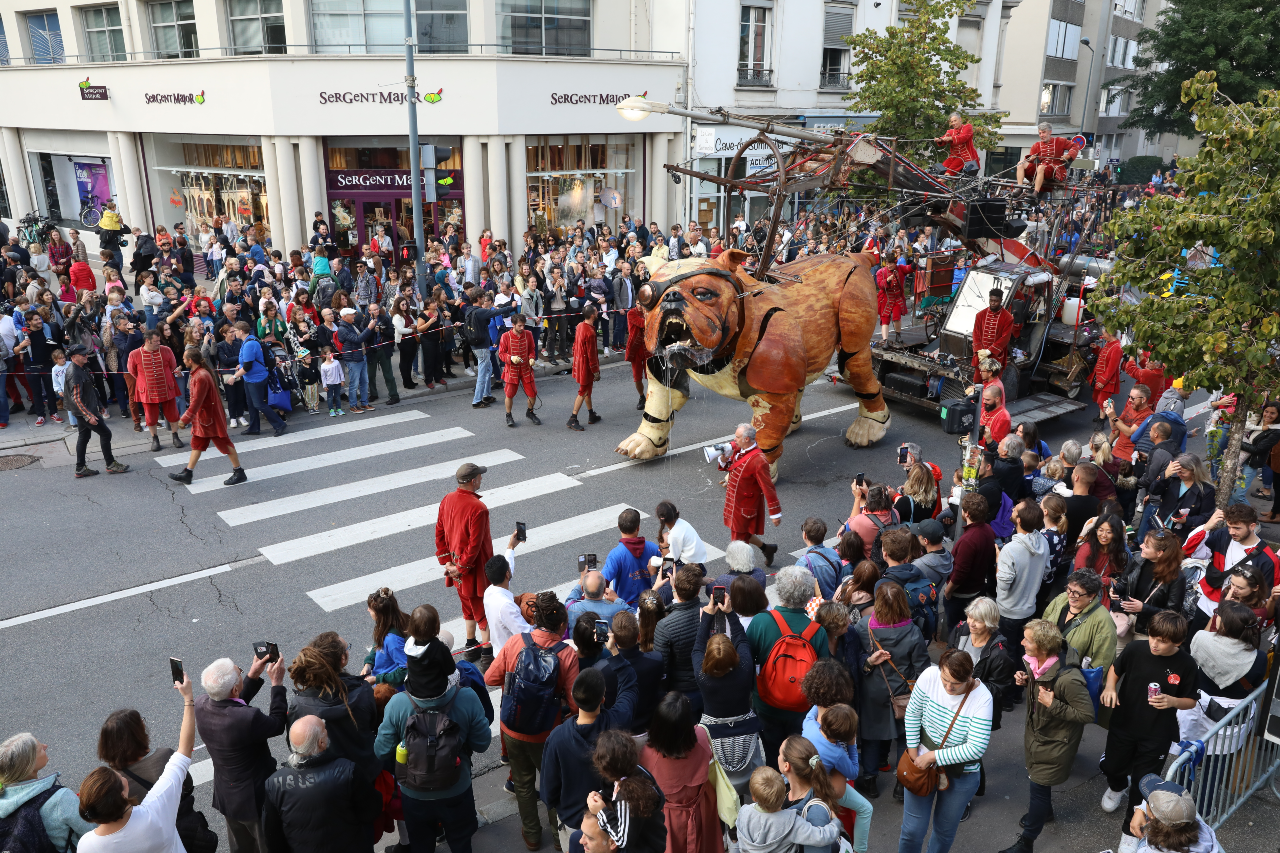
(5, 211)
(222, 156)
(545, 27)
(358, 26)
(104, 34)
(46, 38)
(257, 26)
(1055, 99)
(581, 177)
(753, 47)
(4, 48)
(173, 29)
(442, 26)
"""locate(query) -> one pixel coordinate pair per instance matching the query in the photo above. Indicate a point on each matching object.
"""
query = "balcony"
(834, 81)
(293, 50)
(755, 78)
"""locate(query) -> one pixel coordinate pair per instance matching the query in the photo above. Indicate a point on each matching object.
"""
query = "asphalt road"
(110, 576)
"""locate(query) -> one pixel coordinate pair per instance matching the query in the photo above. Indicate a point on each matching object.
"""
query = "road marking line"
(419, 572)
(127, 593)
(618, 466)
(410, 519)
(360, 488)
(402, 416)
(336, 457)
(827, 543)
(201, 771)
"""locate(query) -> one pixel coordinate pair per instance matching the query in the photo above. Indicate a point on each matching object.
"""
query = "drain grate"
(18, 460)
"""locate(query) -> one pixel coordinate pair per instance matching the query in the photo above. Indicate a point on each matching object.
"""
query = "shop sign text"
(370, 179)
(387, 97)
(177, 98)
(605, 98)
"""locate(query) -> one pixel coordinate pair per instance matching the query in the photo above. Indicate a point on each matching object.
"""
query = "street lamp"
(636, 108)
(1084, 111)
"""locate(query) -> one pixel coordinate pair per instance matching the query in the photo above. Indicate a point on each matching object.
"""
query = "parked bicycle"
(34, 228)
(90, 210)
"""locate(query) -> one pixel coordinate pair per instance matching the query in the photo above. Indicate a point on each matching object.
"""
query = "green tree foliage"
(910, 75)
(1235, 38)
(1216, 325)
(1138, 170)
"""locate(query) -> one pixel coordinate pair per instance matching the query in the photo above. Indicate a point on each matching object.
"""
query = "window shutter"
(839, 23)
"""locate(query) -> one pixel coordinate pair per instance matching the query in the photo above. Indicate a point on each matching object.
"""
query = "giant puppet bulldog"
(710, 320)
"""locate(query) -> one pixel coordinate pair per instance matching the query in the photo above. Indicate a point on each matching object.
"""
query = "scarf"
(634, 544)
(1037, 671)
(875, 623)
(1223, 660)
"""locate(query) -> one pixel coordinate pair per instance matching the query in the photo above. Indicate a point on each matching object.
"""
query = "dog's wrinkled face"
(691, 320)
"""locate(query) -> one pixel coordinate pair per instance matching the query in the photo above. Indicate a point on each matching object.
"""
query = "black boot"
(592, 417)
(237, 477)
(898, 792)
(1022, 845)
(869, 787)
(177, 440)
(155, 443)
(184, 476)
(528, 413)
(1026, 818)
(640, 405)
(768, 551)
(574, 425)
(392, 401)
(472, 651)
(511, 422)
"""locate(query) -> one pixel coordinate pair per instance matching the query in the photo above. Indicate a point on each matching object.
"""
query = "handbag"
(899, 701)
(1126, 621)
(727, 800)
(924, 781)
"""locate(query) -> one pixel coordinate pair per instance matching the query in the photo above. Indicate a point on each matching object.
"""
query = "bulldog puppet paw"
(638, 446)
(869, 428)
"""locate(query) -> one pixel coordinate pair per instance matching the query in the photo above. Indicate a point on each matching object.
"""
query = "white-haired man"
(236, 735)
(316, 802)
(748, 491)
(1050, 157)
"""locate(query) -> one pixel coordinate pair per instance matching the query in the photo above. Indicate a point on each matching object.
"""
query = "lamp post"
(415, 153)
(1084, 111)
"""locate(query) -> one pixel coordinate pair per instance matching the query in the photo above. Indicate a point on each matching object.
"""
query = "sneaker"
(85, 471)
(237, 477)
(607, 352)
(504, 761)
(469, 371)
(231, 422)
(1128, 844)
(117, 468)
(56, 419)
(244, 422)
(1111, 800)
(510, 788)
(333, 413)
(968, 810)
(40, 421)
(341, 412)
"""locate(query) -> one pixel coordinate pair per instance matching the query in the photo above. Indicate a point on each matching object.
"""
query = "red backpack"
(789, 661)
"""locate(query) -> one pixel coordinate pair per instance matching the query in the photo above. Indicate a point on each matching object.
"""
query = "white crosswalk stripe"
(829, 543)
(410, 519)
(270, 442)
(413, 574)
(337, 457)
(360, 488)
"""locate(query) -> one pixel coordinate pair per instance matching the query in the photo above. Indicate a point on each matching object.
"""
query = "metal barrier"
(1230, 763)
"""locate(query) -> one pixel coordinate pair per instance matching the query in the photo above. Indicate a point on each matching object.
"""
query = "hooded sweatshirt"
(935, 566)
(1206, 842)
(626, 568)
(760, 831)
(1019, 570)
(429, 666)
(60, 814)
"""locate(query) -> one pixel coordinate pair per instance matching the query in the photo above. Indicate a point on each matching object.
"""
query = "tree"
(910, 75)
(1217, 325)
(1235, 38)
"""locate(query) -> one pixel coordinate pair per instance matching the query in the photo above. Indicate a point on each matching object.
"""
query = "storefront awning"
(581, 173)
(208, 170)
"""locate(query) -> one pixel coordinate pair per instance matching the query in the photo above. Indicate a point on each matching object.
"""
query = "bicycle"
(34, 228)
(90, 212)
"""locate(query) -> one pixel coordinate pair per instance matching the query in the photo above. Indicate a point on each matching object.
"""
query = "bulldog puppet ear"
(731, 259)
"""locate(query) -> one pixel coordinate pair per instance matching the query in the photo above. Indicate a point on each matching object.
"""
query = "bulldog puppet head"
(693, 308)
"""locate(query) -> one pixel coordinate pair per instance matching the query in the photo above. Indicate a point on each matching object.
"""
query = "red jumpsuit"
(1056, 154)
(1105, 378)
(521, 346)
(154, 384)
(749, 488)
(206, 416)
(961, 148)
(636, 352)
(890, 302)
(992, 332)
(586, 361)
(462, 535)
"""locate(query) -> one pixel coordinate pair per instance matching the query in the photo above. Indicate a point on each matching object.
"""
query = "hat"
(77, 349)
(930, 529)
(469, 471)
(345, 311)
(1167, 802)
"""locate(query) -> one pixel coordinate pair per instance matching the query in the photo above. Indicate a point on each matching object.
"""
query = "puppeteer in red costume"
(749, 494)
(1105, 378)
(463, 540)
(516, 351)
(960, 147)
(636, 353)
(1049, 157)
(207, 417)
(992, 331)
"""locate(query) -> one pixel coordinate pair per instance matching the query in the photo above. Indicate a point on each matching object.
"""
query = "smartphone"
(522, 531)
(602, 631)
(717, 594)
(592, 562)
(902, 455)
(668, 564)
(175, 669)
(270, 651)
(861, 479)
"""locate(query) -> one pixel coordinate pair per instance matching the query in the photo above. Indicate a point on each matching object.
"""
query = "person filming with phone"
(464, 546)
(1186, 495)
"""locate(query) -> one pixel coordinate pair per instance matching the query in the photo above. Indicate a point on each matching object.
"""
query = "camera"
(715, 451)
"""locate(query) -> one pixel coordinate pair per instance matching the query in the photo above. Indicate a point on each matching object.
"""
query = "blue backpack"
(1002, 522)
(22, 831)
(923, 598)
(530, 704)
(469, 676)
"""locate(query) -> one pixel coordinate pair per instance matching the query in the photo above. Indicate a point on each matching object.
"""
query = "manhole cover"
(18, 460)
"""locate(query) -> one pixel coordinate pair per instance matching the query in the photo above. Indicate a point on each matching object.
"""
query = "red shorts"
(1101, 398)
(584, 388)
(890, 308)
(741, 535)
(1056, 173)
(201, 443)
(152, 411)
(514, 381)
(637, 371)
(473, 609)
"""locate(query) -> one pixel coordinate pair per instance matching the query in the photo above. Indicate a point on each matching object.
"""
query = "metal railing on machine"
(1233, 760)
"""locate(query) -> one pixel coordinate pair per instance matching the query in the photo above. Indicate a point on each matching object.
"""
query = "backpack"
(922, 595)
(433, 744)
(268, 356)
(789, 661)
(324, 291)
(469, 676)
(877, 552)
(22, 831)
(1193, 571)
(1002, 522)
(530, 703)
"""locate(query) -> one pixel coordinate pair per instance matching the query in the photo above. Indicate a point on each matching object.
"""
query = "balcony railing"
(755, 77)
(834, 80)
(625, 54)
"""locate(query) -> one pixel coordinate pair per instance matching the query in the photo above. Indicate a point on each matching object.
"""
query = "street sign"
(706, 142)
(1114, 161)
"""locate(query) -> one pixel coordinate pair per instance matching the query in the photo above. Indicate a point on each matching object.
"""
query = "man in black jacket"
(236, 735)
(36, 346)
(378, 354)
(317, 803)
(81, 399)
(675, 635)
(649, 668)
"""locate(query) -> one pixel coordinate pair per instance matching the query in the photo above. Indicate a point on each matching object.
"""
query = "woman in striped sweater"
(946, 696)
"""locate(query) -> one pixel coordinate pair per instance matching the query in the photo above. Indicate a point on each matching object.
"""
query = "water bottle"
(402, 761)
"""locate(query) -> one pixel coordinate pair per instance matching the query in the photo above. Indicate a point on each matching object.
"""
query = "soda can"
(1153, 689)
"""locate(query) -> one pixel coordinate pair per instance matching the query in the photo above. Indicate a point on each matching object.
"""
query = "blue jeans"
(4, 396)
(947, 807)
(484, 374)
(1040, 809)
(257, 393)
(1245, 479)
(1148, 513)
(456, 815)
(357, 382)
(619, 329)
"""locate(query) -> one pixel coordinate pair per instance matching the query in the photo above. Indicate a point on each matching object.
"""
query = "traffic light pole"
(415, 153)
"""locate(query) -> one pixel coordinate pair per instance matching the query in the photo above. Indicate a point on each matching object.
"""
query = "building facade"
(187, 110)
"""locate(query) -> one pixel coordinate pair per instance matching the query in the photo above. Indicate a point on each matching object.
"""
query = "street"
(110, 576)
